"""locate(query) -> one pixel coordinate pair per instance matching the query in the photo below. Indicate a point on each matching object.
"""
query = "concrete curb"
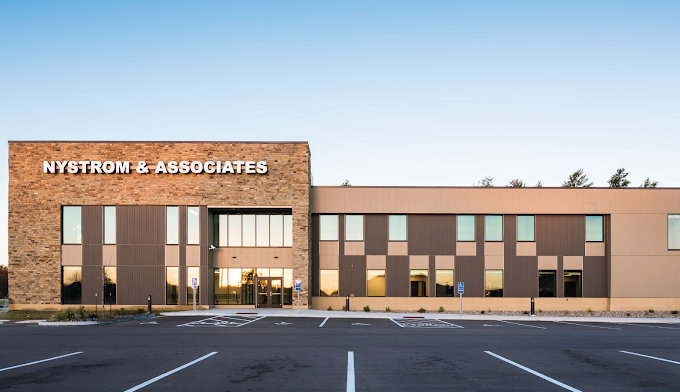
(75, 323)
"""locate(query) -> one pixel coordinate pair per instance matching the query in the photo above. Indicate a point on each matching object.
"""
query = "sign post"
(194, 285)
(461, 289)
(298, 288)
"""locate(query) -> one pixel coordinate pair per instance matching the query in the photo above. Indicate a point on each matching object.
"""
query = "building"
(242, 222)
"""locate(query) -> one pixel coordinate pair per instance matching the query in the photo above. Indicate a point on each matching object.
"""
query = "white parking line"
(648, 326)
(324, 322)
(153, 380)
(535, 373)
(584, 325)
(425, 323)
(43, 360)
(223, 321)
(396, 323)
(524, 325)
(350, 371)
(649, 356)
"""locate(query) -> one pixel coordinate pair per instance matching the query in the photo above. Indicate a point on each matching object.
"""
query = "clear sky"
(386, 92)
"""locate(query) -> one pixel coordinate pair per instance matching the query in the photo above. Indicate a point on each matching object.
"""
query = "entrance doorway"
(269, 292)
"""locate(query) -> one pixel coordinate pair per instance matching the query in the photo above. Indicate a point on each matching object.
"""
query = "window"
(673, 232)
(594, 228)
(419, 283)
(466, 228)
(253, 230)
(248, 286)
(71, 285)
(287, 231)
(354, 227)
(493, 283)
(234, 229)
(375, 283)
(110, 285)
(287, 285)
(192, 226)
(572, 283)
(328, 227)
(397, 228)
(329, 283)
(493, 228)
(445, 283)
(192, 272)
(109, 225)
(276, 230)
(172, 225)
(525, 228)
(71, 226)
(248, 222)
(171, 285)
(547, 283)
(221, 291)
(262, 227)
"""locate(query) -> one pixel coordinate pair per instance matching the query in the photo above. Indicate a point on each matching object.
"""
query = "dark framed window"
(526, 228)
(397, 228)
(375, 283)
(71, 285)
(328, 283)
(573, 283)
(419, 283)
(493, 283)
(328, 227)
(110, 285)
(465, 228)
(445, 283)
(171, 285)
(193, 226)
(674, 232)
(109, 225)
(354, 227)
(493, 228)
(71, 225)
(594, 228)
(547, 283)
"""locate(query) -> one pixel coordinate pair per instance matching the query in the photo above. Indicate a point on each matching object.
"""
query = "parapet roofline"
(151, 142)
(483, 187)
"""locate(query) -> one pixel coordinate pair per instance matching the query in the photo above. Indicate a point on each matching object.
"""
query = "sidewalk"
(443, 316)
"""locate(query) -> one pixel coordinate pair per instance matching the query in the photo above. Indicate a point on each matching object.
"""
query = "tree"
(539, 185)
(346, 183)
(4, 273)
(618, 179)
(516, 183)
(486, 182)
(649, 183)
(577, 179)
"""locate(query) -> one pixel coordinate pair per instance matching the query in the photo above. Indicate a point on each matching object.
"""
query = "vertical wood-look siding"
(595, 277)
(397, 276)
(205, 278)
(140, 225)
(91, 284)
(470, 271)
(560, 235)
(560, 276)
(183, 225)
(520, 276)
(432, 278)
(205, 273)
(136, 283)
(431, 234)
(92, 225)
(182, 289)
(352, 276)
(93, 254)
(341, 234)
(608, 251)
(316, 276)
(315, 234)
(510, 236)
(479, 235)
(376, 235)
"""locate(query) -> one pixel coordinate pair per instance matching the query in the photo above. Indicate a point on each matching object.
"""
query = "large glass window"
(398, 228)
(248, 285)
(262, 225)
(71, 225)
(328, 227)
(466, 228)
(493, 283)
(254, 230)
(329, 283)
(172, 225)
(673, 232)
(288, 286)
(71, 285)
(171, 285)
(287, 231)
(109, 225)
(445, 283)
(248, 221)
(493, 228)
(276, 230)
(110, 285)
(354, 227)
(192, 226)
(572, 283)
(419, 283)
(234, 230)
(221, 290)
(222, 230)
(594, 228)
(375, 285)
(234, 286)
(547, 283)
(193, 272)
(525, 228)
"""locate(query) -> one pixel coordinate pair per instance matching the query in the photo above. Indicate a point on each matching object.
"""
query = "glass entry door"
(269, 292)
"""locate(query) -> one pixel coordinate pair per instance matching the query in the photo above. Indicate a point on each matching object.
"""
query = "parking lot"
(253, 352)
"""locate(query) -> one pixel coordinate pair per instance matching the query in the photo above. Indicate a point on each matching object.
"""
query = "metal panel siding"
(608, 251)
(183, 225)
(595, 277)
(316, 276)
(510, 236)
(140, 225)
(560, 276)
(397, 276)
(376, 235)
(479, 234)
(520, 276)
(141, 255)
(431, 291)
(93, 254)
(203, 226)
(431, 234)
(341, 235)
(470, 271)
(182, 292)
(206, 295)
(136, 283)
(91, 278)
(93, 225)
(352, 276)
(315, 234)
(560, 235)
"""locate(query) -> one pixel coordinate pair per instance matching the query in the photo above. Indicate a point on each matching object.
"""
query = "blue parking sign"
(298, 285)
(461, 289)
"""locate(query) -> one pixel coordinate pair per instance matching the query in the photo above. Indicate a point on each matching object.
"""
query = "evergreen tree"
(618, 179)
(577, 179)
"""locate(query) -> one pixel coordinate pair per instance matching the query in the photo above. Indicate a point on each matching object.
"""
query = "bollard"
(347, 305)
(532, 306)
(149, 303)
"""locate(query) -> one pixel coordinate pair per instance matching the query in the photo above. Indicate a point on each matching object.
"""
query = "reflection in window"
(493, 283)
(192, 226)
(354, 227)
(419, 283)
(248, 285)
(328, 227)
(263, 272)
(276, 230)
(171, 285)
(466, 228)
(397, 228)
(253, 230)
(594, 228)
(110, 285)
(248, 221)
(288, 286)
(234, 230)
(673, 232)
(221, 287)
(493, 228)
(572, 283)
(287, 231)
(172, 225)
(262, 225)
(547, 283)
(71, 285)
(109, 225)
(375, 286)
(445, 283)
(525, 228)
(71, 225)
(192, 273)
(234, 286)
(328, 283)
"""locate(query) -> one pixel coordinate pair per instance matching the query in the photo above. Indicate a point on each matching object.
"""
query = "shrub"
(80, 313)
(441, 309)
(367, 308)
(540, 311)
(482, 312)
(388, 310)
(330, 308)
(344, 308)
(627, 314)
(566, 313)
(651, 310)
(589, 310)
(674, 312)
(141, 310)
(421, 310)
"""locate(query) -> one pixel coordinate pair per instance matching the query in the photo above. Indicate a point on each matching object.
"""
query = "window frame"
(167, 225)
(198, 218)
(586, 228)
(363, 228)
(337, 276)
(63, 216)
(668, 234)
(517, 228)
(474, 228)
(427, 282)
(502, 283)
(337, 229)
(564, 275)
(115, 211)
(487, 226)
(453, 274)
(384, 274)
(389, 231)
